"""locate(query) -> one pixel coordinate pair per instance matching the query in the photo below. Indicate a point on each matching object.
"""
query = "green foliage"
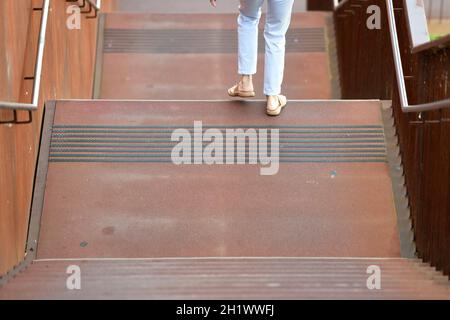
(434, 37)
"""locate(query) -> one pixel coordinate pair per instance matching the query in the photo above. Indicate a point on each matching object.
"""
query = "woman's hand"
(213, 3)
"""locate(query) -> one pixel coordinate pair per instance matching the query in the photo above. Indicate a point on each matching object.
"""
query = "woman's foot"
(243, 88)
(275, 104)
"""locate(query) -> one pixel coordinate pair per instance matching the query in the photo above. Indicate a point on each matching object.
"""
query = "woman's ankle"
(247, 82)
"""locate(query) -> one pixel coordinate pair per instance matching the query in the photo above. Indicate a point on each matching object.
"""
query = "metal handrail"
(96, 4)
(93, 4)
(406, 107)
(338, 3)
(38, 67)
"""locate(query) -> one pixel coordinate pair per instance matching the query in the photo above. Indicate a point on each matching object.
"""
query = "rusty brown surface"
(147, 75)
(151, 210)
(269, 279)
(147, 209)
(233, 112)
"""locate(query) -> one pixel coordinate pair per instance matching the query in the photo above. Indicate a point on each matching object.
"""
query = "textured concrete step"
(111, 190)
(167, 56)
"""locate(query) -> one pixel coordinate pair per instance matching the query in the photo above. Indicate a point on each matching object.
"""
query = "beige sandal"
(235, 92)
(282, 102)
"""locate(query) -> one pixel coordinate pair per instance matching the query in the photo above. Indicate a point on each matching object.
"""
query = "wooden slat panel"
(323, 5)
(361, 51)
(67, 73)
(424, 142)
(14, 17)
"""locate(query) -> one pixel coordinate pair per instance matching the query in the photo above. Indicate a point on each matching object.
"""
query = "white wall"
(433, 8)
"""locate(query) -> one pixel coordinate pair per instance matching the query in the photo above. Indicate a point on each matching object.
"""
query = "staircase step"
(232, 278)
(108, 196)
(171, 56)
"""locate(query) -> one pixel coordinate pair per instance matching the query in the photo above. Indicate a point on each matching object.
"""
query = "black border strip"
(331, 47)
(404, 222)
(98, 69)
(40, 179)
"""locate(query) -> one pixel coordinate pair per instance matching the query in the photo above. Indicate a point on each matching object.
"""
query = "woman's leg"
(277, 23)
(248, 21)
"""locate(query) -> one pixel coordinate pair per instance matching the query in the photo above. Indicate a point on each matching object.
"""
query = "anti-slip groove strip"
(201, 40)
(162, 141)
(194, 32)
(124, 131)
(65, 150)
(152, 143)
(162, 155)
(165, 137)
(158, 145)
(218, 126)
(168, 161)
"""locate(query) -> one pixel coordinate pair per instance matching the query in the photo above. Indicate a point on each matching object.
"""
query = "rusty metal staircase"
(109, 200)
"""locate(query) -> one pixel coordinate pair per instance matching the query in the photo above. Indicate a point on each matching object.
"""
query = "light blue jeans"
(277, 23)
